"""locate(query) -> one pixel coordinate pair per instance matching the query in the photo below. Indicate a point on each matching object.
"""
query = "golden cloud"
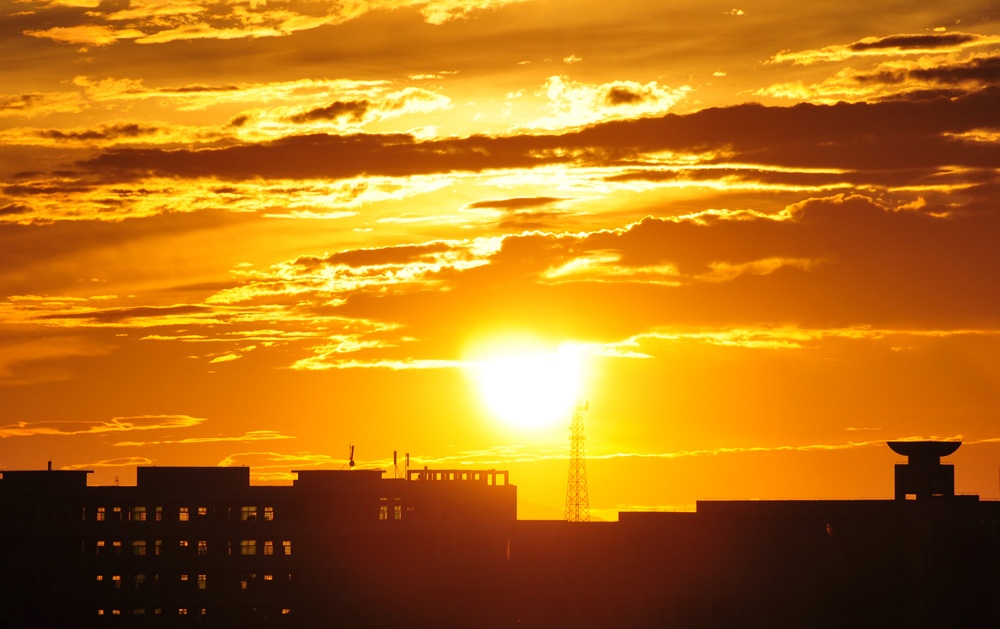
(93, 427)
(892, 45)
(252, 435)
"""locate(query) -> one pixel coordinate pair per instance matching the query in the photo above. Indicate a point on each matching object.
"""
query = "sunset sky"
(761, 239)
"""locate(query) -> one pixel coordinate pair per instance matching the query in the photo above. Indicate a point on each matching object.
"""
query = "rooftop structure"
(923, 475)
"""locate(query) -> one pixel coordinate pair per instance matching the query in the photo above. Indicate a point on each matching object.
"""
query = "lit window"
(116, 612)
(100, 546)
(203, 611)
(397, 512)
(248, 547)
(268, 513)
(183, 543)
(248, 514)
(100, 612)
(118, 547)
(159, 514)
(285, 610)
(140, 580)
(138, 514)
(383, 510)
(202, 581)
(158, 611)
(202, 510)
(182, 611)
(183, 517)
(158, 547)
(202, 547)
(269, 577)
(184, 577)
(243, 584)
(100, 577)
(287, 544)
(139, 547)
(118, 581)
(100, 518)
(268, 547)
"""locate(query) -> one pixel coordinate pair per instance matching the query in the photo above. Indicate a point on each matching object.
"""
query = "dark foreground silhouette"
(443, 548)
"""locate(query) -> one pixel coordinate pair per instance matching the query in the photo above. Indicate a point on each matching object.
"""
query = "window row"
(249, 547)
(199, 581)
(184, 514)
(141, 547)
(157, 611)
(139, 581)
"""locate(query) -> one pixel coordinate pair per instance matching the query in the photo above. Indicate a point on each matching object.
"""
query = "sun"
(531, 388)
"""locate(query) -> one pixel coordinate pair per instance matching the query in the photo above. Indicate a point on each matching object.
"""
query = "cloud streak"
(249, 436)
(97, 427)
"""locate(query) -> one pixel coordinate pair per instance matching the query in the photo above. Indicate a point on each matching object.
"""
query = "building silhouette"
(202, 547)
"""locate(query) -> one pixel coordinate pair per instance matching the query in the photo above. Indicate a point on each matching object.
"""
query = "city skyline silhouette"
(444, 548)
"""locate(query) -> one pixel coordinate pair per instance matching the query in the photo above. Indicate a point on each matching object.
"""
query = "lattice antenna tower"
(577, 500)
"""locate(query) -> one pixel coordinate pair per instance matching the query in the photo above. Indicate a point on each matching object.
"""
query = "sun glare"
(531, 388)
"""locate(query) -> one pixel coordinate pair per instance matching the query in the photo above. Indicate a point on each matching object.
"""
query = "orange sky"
(253, 233)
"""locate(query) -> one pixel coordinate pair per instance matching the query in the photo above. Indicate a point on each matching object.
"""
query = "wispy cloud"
(275, 467)
(323, 362)
(523, 454)
(253, 435)
(153, 22)
(125, 461)
(93, 427)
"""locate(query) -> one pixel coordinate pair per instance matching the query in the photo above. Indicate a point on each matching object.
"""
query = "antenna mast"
(577, 500)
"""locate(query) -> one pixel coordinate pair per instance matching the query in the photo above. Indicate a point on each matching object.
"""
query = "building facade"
(201, 546)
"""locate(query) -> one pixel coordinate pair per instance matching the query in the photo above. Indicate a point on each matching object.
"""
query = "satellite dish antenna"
(350, 462)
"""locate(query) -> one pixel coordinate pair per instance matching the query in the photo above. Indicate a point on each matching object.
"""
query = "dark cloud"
(353, 110)
(984, 70)
(519, 212)
(44, 188)
(116, 315)
(869, 136)
(326, 156)
(515, 203)
(620, 95)
(110, 132)
(749, 176)
(199, 89)
(979, 71)
(19, 102)
(403, 254)
(909, 42)
(928, 94)
(239, 121)
(13, 209)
